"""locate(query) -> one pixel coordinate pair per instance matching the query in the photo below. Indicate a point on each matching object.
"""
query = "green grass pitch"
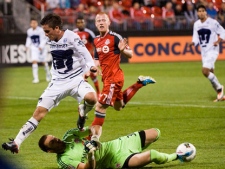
(180, 104)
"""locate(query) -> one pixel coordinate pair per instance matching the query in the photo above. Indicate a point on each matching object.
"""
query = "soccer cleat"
(183, 157)
(82, 117)
(220, 93)
(35, 81)
(146, 80)
(216, 100)
(11, 145)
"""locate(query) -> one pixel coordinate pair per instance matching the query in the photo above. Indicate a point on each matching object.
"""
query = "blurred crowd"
(134, 14)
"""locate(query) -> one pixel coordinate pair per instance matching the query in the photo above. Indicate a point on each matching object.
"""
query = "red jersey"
(87, 36)
(108, 54)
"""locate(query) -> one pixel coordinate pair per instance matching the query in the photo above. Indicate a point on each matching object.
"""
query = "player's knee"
(91, 98)
(118, 105)
(157, 133)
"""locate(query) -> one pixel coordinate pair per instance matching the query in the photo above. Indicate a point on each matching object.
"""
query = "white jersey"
(70, 57)
(36, 38)
(206, 33)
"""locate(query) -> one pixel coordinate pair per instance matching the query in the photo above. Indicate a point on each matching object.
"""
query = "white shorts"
(209, 59)
(57, 90)
(37, 55)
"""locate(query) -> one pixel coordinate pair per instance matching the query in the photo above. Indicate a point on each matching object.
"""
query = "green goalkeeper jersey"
(74, 152)
(111, 154)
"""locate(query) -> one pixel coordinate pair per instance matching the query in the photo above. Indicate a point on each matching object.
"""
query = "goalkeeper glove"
(90, 146)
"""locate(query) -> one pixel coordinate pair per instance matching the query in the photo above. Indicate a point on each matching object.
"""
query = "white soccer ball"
(187, 151)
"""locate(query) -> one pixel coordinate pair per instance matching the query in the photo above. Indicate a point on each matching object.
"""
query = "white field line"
(152, 103)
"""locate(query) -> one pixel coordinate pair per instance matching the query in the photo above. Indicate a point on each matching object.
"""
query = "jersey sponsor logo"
(105, 49)
(58, 46)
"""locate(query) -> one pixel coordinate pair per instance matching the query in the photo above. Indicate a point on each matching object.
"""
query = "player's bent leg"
(151, 135)
(138, 160)
(132, 90)
(83, 109)
(14, 144)
(96, 126)
(118, 105)
(90, 98)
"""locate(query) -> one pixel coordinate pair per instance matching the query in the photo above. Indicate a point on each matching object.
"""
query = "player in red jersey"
(87, 36)
(108, 48)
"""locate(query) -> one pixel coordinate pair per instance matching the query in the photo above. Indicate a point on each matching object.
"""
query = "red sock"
(130, 92)
(99, 119)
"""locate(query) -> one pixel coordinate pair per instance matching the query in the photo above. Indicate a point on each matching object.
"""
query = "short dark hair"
(201, 6)
(79, 17)
(41, 143)
(52, 20)
(33, 19)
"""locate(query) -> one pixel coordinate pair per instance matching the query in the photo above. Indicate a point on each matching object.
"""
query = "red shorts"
(112, 91)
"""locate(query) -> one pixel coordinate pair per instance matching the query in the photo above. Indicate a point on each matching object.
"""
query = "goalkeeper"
(76, 151)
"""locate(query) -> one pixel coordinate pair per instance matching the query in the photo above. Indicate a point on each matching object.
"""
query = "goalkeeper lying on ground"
(76, 151)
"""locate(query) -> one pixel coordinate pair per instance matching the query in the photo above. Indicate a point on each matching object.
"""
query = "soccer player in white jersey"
(208, 33)
(70, 57)
(36, 42)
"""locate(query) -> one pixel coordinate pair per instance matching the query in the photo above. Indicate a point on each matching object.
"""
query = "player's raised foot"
(146, 80)
(35, 81)
(11, 145)
(220, 93)
(81, 118)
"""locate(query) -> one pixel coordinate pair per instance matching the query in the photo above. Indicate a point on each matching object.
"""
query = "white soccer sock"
(46, 67)
(26, 130)
(35, 71)
(214, 81)
(87, 107)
